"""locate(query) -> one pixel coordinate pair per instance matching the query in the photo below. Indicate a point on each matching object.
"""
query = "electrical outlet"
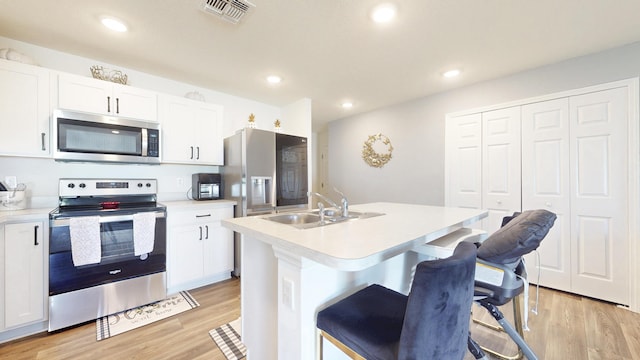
(287, 293)
(11, 182)
(180, 182)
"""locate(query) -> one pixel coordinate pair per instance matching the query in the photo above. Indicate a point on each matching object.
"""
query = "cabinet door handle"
(201, 216)
(197, 152)
(206, 227)
(35, 235)
(44, 148)
(117, 105)
(200, 227)
(108, 104)
(191, 152)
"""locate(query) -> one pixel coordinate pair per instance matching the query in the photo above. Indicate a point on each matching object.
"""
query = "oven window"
(89, 137)
(117, 240)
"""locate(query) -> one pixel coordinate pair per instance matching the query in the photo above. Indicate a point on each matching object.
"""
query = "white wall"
(41, 175)
(416, 128)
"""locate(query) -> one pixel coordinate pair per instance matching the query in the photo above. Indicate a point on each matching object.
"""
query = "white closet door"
(599, 201)
(545, 185)
(501, 183)
(464, 161)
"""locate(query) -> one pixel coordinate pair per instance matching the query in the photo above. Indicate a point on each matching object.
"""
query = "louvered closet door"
(545, 185)
(501, 182)
(464, 161)
(599, 202)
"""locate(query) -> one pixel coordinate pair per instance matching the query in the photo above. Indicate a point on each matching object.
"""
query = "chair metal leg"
(475, 349)
(516, 334)
(344, 348)
(319, 344)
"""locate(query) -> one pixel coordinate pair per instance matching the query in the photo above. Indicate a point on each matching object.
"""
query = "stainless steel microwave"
(91, 137)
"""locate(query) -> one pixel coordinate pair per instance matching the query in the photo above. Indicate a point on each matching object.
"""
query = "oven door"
(118, 261)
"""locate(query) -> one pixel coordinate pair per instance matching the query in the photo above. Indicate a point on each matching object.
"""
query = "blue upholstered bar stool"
(431, 323)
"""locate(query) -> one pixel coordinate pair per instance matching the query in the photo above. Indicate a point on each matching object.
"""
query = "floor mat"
(124, 321)
(227, 337)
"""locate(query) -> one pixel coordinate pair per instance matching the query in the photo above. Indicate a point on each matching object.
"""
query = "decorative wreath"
(370, 156)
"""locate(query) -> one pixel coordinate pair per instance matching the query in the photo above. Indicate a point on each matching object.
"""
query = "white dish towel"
(144, 232)
(85, 240)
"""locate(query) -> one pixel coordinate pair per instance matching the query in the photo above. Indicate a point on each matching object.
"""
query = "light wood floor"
(566, 327)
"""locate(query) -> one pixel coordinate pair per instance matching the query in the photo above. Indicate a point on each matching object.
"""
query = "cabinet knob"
(499, 202)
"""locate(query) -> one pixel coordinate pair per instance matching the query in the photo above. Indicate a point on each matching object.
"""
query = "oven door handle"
(64, 221)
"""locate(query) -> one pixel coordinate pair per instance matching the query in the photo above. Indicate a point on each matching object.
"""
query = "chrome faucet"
(326, 199)
(344, 202)
(321, 211)
(344, 208)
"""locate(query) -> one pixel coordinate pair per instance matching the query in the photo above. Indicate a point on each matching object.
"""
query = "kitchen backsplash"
(41, 176)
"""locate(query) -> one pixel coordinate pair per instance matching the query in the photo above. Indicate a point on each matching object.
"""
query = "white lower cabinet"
(568, 154)
(24, 285)
(200, 250)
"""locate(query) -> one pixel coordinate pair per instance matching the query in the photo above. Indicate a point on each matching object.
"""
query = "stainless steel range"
(107, 249)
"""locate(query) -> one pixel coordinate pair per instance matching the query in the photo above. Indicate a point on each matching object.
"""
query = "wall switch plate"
(11, 182)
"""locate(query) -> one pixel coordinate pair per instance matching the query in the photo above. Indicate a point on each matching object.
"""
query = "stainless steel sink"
(295, 218)
(308, 220)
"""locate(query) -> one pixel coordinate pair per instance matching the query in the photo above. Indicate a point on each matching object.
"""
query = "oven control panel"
(100, 187)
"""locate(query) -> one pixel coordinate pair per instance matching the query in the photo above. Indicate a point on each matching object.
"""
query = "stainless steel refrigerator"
(264, 172)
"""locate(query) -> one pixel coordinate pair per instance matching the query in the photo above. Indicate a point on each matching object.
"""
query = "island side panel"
(306, 287)
(258, 299)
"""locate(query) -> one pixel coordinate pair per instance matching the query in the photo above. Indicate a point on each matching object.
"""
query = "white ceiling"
(328, 50)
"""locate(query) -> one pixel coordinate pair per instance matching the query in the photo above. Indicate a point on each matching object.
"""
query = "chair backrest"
(436, 322)
(519, 236)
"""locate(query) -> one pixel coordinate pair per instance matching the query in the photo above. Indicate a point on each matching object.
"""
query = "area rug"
(227, 337)
(113, 325)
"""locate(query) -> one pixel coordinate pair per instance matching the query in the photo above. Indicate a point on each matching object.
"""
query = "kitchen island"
(289, 274)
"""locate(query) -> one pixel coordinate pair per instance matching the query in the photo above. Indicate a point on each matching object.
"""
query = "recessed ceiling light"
(114, 24)
(451, 73)
(347, 105)
(274, 79)
(383, 13)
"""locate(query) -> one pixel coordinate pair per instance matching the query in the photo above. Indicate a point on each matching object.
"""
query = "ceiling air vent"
(230, 10)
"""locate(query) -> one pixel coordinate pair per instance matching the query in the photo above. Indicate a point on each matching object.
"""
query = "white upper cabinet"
(24, 110)
(103, 97)
(191, 131)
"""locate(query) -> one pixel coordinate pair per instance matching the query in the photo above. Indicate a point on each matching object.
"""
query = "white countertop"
(358, 244)
(24, 215)
(43, 213)
(195, 204)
